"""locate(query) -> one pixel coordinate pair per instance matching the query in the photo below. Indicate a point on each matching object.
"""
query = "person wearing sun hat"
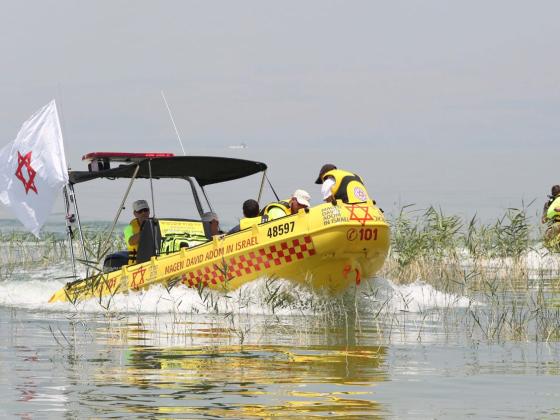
(275, 210)
(338, 184)
(300, 200)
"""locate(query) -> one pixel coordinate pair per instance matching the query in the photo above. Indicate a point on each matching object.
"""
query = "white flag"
(33, 169)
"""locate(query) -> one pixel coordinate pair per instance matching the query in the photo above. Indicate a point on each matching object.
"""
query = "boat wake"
(32, 289)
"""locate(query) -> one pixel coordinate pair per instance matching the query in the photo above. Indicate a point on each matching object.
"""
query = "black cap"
(555, 190)
(326, 168)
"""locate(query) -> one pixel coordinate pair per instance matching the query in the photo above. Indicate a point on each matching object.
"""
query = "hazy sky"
(454, 104)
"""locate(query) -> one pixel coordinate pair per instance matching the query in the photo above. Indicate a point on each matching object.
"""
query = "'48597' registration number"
(282, 229)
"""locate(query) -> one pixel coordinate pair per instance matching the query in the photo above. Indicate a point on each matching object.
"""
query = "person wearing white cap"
(213, 222)
(141, 211)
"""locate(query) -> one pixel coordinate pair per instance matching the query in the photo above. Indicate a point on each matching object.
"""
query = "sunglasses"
(143, 211)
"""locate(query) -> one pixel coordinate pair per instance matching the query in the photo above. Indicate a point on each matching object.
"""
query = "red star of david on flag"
(25, 162)
(359, 213)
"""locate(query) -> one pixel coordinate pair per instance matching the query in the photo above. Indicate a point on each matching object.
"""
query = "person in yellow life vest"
(275, 210)
(250, 216)
(551, 216)
(341, 185)
(141, 211)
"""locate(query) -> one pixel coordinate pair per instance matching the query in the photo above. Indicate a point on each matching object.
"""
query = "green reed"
(428, 243)
(21, 250)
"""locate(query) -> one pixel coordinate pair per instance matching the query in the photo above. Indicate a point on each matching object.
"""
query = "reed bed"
(20, 251)
(428, 244)
(512, 282)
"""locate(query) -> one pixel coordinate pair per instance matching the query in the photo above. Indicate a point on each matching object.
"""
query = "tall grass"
(512, 281)
(429, 244)
(21, 250)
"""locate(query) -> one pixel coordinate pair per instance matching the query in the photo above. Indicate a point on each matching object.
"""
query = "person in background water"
(250, 216)
(551, 216)
(275, 210)
(341, 185)
(141, 211)
(554, 194)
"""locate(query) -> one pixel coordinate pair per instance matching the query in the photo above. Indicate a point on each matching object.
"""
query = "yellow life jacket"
(347, 187)
(132, 229)
(551, 214)
(247, 222)
(276, 210)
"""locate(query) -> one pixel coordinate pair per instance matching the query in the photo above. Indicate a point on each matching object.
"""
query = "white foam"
(420, 296)
(33, 289)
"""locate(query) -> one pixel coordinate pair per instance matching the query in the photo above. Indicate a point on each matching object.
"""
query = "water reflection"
(122, 368)
(260, 379)
(241, 381)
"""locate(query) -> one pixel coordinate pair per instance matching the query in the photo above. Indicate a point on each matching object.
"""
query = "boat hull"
(328, 247)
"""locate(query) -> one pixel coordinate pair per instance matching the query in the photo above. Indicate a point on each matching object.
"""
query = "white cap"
(140, 205)
(302, 197)
(209, 216)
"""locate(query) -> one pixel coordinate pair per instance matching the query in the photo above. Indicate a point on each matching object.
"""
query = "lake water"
(385, 351)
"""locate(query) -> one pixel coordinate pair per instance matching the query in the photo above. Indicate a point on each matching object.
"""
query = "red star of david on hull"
(138, 278)
(356, 210)
(25, 162)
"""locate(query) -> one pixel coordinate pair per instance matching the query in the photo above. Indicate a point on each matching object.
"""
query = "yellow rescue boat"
(327, 247)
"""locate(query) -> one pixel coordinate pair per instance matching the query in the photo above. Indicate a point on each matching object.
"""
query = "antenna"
(173, 122)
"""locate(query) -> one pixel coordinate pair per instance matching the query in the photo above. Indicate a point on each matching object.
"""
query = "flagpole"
(69, 194)
(73, 200)
(69, 220)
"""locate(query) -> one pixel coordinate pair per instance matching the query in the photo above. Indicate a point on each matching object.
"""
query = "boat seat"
(164, 236)
(150, 241)
(181, 233)
(115, 261)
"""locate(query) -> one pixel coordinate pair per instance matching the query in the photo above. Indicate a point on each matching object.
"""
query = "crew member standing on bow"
(341, 185)
(141, 211)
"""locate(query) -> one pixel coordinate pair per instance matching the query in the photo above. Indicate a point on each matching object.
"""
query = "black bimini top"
(206, 170)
